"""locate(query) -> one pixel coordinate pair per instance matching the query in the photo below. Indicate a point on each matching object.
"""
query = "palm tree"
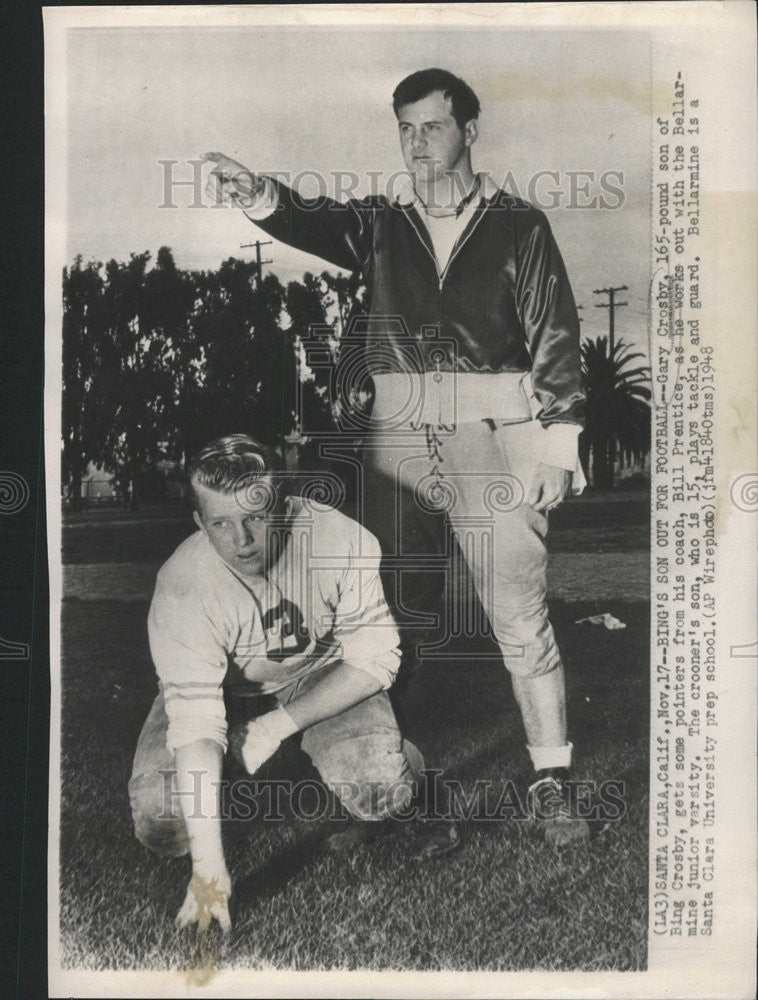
(618, 409)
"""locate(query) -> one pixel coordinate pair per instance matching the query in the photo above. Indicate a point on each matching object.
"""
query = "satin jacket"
(502, 303)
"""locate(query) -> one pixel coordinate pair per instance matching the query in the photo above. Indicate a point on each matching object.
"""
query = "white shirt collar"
(406, 195)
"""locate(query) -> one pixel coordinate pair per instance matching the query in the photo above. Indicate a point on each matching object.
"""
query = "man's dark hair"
(465, 103)
(232, 463)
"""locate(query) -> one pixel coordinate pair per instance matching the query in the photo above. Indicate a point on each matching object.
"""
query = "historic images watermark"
(273, 800)
(182, 184)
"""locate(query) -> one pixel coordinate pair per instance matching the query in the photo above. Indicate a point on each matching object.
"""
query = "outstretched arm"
(336, 232)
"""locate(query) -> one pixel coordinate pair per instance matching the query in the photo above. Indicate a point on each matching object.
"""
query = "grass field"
(504, 901)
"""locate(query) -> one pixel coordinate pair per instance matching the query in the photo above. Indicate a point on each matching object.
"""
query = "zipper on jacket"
(426, 247)
(460, 243)
(457, 246)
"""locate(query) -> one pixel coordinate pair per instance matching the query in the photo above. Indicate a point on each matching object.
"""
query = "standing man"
(473, 345)
(273, 612)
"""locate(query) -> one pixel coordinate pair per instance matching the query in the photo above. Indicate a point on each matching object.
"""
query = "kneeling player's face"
(239, 525)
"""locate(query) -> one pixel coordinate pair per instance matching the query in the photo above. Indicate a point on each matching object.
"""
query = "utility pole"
(611, 305)
(258, 262)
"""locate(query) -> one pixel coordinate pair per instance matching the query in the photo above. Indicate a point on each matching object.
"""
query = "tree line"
(158, 360)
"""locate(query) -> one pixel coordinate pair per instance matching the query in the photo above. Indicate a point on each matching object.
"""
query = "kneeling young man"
(275, 600)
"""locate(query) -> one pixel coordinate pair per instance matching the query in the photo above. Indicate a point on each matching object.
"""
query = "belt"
(445, 399)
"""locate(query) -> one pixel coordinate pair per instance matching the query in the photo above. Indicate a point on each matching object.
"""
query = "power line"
(611, 305)
(258, 262)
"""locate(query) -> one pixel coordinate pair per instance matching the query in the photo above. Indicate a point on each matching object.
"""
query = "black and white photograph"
(370, 346)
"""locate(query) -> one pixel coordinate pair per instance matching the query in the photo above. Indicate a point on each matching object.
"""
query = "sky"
(556, 105)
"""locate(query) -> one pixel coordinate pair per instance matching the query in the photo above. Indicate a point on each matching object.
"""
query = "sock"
(280, 723)
(543, 757)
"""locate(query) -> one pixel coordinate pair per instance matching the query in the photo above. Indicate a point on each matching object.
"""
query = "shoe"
(357, 833)
(431, 838)
(550, 804)
(428, 835)
(423, 839)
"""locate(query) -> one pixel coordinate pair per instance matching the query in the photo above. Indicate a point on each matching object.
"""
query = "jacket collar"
(406, 195)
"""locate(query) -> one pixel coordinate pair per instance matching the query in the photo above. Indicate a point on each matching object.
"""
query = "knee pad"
(370, 775)
(157, 824)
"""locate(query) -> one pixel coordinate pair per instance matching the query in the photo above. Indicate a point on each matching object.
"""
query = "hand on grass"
(549, 487)
(207, 899)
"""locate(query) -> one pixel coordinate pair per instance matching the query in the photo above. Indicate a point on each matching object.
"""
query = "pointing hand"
(231, 183)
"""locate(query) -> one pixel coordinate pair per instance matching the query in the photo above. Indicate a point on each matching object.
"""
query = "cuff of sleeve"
(265, 204)
(383, 671)
(561, 446)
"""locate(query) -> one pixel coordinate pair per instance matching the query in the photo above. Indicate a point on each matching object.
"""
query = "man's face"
(238, 525)
(431, 140)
